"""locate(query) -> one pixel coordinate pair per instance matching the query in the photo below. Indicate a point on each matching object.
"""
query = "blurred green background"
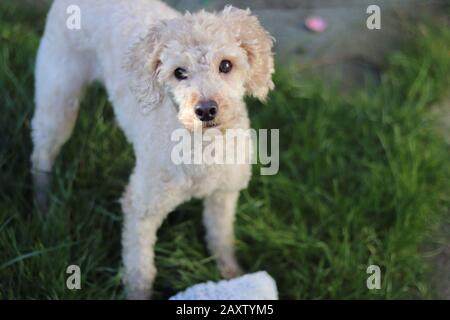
(364, 173)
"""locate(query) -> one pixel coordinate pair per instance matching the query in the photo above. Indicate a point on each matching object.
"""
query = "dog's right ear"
(142, 65)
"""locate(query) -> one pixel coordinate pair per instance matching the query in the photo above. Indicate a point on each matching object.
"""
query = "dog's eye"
(225, 66)
(180, 73)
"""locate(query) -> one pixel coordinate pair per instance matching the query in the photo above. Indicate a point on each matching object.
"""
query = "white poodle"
(163, 71)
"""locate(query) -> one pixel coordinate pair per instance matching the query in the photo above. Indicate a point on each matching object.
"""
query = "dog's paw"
(138, 296)
(138, 293)
(231, 270)
(42, 182)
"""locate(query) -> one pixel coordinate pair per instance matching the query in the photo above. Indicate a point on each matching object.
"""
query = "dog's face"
(205, 80)
(206, 63)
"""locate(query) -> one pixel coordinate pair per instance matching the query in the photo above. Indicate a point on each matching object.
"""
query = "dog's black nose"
(206, 110)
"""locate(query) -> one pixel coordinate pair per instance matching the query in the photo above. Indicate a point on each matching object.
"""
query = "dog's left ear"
(258, 43)
(142, 66)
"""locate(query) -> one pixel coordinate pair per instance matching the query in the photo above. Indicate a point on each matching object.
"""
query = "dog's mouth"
(209, 124)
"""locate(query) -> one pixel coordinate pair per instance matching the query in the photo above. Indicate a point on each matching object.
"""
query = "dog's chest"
(222, 164)
(206, 179)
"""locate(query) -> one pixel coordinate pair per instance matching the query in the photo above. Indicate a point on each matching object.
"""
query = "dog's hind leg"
(59, 80)
(218, 218)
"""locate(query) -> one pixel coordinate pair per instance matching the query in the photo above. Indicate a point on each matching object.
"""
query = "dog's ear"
(142, 65)
(258, 43)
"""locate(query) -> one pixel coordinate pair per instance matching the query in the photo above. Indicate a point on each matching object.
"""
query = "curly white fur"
(133, 47)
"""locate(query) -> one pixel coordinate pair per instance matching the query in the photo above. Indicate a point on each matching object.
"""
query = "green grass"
(364, 179)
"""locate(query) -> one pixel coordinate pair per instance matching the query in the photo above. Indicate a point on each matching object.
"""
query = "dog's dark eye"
(180, 73)
(225, 66)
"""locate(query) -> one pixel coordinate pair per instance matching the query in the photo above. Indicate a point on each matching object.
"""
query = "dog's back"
(93, 28)
(84, 40)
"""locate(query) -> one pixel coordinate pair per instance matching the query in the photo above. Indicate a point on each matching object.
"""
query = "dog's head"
(206, 63)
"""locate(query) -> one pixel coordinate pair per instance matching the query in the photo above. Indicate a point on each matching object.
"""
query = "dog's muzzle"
(206, 110)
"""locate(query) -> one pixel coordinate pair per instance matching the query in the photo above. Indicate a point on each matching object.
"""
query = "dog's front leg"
(142, 218)
(138, 240)
(218, 218)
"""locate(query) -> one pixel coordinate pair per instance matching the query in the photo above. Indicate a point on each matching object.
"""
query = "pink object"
(316, 24)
